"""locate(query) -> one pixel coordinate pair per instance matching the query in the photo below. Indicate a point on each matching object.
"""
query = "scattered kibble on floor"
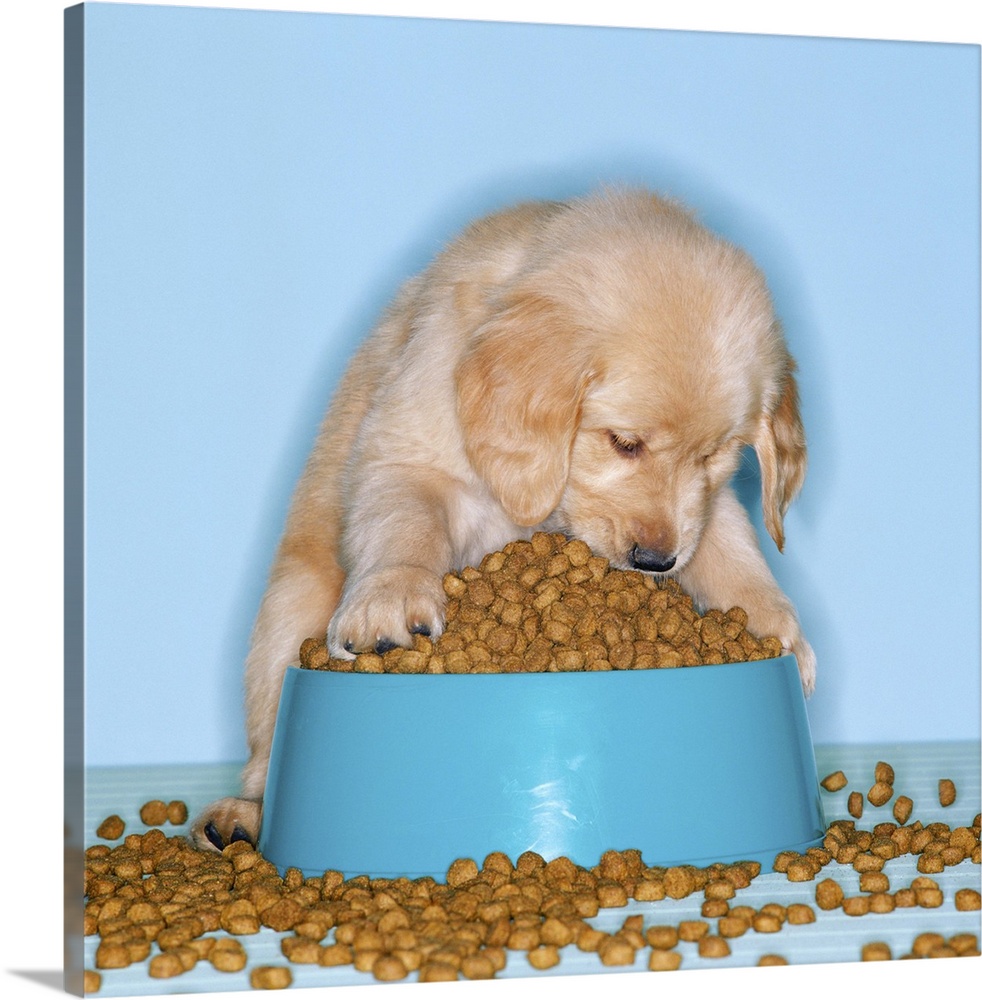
(151, 889)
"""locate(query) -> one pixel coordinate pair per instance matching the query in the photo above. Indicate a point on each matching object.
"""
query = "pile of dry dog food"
(550, 604)
(198, 906)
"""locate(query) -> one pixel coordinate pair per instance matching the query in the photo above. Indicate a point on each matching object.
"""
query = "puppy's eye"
(629, 447)
(716, 451)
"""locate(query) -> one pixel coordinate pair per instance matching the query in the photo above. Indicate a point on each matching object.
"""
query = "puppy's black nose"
(648, 559)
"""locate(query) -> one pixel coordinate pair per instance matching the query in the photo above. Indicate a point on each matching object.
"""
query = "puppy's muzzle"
(650, 560)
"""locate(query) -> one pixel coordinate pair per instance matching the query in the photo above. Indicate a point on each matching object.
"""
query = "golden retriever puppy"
(592, 367)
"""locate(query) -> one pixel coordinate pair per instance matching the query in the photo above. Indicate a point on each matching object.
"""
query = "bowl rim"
(629, 671)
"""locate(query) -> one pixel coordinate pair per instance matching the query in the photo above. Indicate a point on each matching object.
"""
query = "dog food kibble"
(883, 773)
(112, 955)
(437, 972)
(967, 899)
(111, 828)
(801, 870)
(301, 950)
(880, 793)
(616, 950)
(679, 882)
(479, 966)
(855, 804)
(270, 977)
(227, 955)
(663, 960)
(834, 782)
(929, 898)
(177, 813)
(611, 894)
(876, 951)
(662, 936)
(800, 913)
(771, 959)
(548, 604)
(766, 923)
(240, 917)
(926, 943)
(544, 956)
(589, 939)
(154, 813)
(882, 902)
(389, 968)
(783, 859)
(731, 926)
(692, 930)
(91, 981)
(874, 882)
(335, 954)
(719, 890)
(868, 862)
(462, 870)
(856, 906)
(902, 809)
(828, 894)
(165, 965)
(964, 944)
(713, 946)
(946, 791)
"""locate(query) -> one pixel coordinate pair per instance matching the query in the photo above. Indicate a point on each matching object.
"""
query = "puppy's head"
(611, 395)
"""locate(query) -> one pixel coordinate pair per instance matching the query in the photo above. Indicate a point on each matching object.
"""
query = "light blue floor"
(834, 937)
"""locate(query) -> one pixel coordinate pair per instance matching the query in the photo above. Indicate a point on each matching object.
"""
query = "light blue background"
(258, 184)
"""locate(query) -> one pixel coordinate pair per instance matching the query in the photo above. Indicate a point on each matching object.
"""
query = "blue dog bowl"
(395, 774)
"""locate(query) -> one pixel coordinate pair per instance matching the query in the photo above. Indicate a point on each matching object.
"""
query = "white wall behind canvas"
(258, 184)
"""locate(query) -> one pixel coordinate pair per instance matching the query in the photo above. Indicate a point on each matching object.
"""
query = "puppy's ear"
(781, 453)
(520, 389)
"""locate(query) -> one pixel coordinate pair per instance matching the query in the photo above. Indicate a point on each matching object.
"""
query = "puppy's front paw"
(806, 664)
(778, 618)
(383, 610)
(226, 821)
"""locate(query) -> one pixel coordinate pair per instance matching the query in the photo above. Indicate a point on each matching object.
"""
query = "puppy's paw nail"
(384, 645)
(421, 629)
(214, 837)
(239, 834)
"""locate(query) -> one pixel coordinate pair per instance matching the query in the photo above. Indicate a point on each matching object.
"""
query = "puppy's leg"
(729, 570)
(297, 604)
(397, 547)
